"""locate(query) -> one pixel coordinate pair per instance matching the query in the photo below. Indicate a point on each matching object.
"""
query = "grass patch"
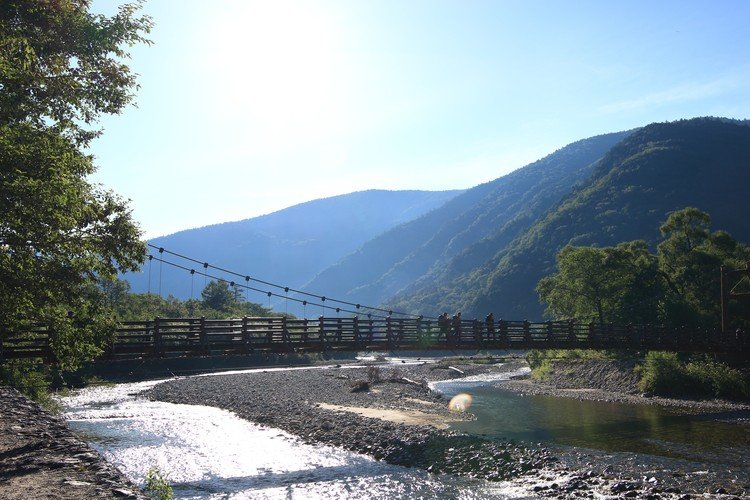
(667, 374)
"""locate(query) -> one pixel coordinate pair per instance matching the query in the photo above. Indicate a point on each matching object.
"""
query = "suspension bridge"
(369, 328)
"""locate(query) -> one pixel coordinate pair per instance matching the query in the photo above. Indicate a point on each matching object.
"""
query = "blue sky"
(249, 107)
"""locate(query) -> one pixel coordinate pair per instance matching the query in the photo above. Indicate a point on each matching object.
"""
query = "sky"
(247, 107)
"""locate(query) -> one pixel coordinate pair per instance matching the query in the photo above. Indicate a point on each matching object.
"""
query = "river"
(210, 453)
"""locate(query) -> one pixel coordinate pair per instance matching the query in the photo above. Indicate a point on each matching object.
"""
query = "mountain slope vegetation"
(656, 170)
(477, 221)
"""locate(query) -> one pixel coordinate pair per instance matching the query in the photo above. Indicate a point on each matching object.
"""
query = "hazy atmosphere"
(249, 107)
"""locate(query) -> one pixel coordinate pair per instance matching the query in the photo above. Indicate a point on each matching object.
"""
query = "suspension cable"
(268, 293)
(287, 289)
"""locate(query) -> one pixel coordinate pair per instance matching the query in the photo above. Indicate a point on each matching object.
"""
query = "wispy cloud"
(678, 94)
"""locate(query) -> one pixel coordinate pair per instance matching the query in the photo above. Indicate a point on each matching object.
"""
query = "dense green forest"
(676, 286)
(467, 229)
(656, 170)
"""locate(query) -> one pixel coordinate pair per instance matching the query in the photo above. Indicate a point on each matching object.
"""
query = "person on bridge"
(444, 324)
(489, 322)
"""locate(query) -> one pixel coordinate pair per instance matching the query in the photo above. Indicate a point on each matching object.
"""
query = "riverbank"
(41, 458)
(398, 420)
(615, 381)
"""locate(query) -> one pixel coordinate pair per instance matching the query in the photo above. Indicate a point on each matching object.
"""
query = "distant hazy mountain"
(289, 246)
(660, 168)
(464, 232)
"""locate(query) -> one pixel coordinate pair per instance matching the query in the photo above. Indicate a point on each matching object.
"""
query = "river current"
(210, 453)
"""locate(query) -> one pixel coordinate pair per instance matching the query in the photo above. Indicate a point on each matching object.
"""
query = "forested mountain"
(704, 163)
(464, 232)
(289, 246)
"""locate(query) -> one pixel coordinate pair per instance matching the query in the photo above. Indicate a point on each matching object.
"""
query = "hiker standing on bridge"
(457, 327)
(489, 322)
(444, 324)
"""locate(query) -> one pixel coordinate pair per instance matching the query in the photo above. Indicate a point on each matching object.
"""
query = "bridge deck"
(177, 337)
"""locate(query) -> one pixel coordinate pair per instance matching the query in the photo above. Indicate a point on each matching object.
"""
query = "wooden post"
(477, 332)
(502, 331)
(549, 332)
(526, 332)
(355, 327)
(157, 338)
(203, 335)
(388, 332)
(321, 332)
(285, 332)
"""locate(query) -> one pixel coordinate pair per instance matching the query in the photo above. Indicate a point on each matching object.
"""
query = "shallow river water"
(210, 453)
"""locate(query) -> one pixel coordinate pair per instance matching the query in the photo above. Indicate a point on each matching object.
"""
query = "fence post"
(321, 332)
(157, 337)
(355, 327)
(526, 332)
(285, 332)
(571, 332)
(388, 332)
(549, 332)
(203, 335)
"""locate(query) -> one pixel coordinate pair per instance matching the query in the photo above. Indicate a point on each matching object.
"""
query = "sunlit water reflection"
(647, 430)
(210, 453)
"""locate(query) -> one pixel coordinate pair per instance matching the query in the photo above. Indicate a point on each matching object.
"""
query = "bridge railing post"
(285, 332)
(157, 337)
(527, 332)
(355, 329)
(321, 332)
(389, 332)
(203, 337)
(477, 332)
(571, 332)
(549, 333)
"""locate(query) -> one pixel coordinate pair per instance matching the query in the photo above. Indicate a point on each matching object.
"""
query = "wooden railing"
(176, 337)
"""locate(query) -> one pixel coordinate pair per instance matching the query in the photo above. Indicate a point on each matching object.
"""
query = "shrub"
(665, 374)
(157, 486)
(30, 378)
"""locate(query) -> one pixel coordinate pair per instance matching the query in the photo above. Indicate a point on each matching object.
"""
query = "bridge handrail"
(204, 336)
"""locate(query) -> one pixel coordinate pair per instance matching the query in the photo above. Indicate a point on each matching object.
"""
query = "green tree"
(610, 284)
(217, 295)
(60, 236)
(689, 261)
(679, 286)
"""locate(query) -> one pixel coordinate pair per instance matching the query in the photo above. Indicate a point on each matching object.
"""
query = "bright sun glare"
(283, 70)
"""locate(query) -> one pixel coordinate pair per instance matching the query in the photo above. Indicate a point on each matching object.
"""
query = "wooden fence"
(177, 337)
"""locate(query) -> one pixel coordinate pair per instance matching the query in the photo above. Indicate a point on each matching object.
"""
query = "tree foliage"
(599, 283)
(218, 302)
(679, 285)
(61, 236)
